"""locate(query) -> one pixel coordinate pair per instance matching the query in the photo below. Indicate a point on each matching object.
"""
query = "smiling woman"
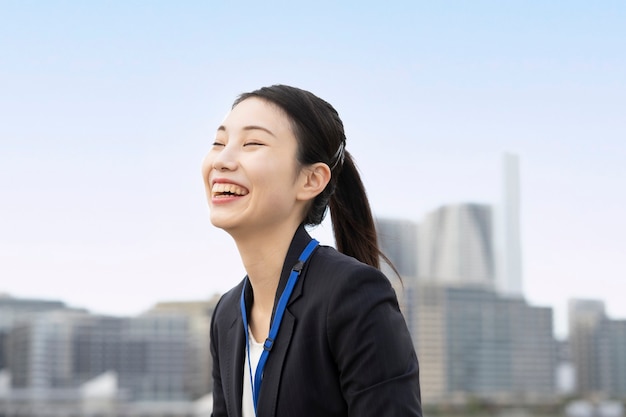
(331, 338)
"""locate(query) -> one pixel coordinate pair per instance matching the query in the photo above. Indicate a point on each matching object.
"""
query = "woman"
(310, 331)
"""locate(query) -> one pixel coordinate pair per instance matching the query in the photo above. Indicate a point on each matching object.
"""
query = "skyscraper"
(598, 345)
(473, 342)
(455, 245)
(508, 246)
(398, 241)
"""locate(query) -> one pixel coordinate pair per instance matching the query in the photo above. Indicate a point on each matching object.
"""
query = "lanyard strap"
(278, 317)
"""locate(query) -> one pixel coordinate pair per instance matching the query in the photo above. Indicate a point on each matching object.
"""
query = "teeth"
(221, 188)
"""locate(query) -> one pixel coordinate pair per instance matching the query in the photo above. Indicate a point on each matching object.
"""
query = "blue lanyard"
(278, 317)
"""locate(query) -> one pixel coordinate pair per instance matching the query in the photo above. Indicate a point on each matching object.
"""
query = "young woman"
(310, 331)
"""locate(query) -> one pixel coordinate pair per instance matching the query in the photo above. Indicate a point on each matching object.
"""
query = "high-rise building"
(398, 241)
(598, 345)
(40, 350)
(507, 231)
(199, 379)
(585, 317)
(474, 343)
(155, 359)
(14, 309)
(97, 347)
(455, 245)
(614, 335)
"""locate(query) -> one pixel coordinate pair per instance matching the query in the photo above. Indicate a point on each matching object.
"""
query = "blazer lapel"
(268, 397)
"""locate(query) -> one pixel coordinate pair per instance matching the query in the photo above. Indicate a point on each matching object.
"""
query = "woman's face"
(251, 173)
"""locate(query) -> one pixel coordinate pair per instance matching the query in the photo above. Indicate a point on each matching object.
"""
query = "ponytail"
(353, 223)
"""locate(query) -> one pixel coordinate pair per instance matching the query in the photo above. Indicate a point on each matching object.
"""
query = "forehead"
(254, 111)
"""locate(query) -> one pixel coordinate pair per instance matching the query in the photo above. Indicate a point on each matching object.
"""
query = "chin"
(219, 223)
(226, 224)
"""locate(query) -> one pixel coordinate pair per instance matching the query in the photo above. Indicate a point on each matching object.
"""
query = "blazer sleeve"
(368, 336)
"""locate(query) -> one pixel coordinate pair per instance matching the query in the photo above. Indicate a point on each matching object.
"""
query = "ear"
(314, 179)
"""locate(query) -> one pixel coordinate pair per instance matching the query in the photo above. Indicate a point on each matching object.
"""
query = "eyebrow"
(250, 127)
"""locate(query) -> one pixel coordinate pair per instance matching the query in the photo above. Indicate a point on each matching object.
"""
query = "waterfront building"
(614, 333)
(155, 357)
(598, 344)
(39, 350)
(455, 245)
(198, 314)
(97, 347)
(474, 343)
(14, 309)
(398, 240)
(52, 353)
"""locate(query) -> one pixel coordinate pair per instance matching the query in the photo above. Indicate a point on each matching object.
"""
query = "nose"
(224, 166)
(225, 160)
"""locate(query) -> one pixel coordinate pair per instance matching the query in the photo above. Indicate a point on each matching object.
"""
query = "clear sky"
(107, 108)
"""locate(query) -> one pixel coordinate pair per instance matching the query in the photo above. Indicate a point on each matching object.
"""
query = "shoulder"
(339, 276)
(339, 267)
(365, 331)
(327, 259)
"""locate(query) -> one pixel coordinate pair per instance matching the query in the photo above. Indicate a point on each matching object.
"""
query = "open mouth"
(222, 190)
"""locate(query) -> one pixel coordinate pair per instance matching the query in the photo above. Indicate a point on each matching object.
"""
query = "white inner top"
(247, 402)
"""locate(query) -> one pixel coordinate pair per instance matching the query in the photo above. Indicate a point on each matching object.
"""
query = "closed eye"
(253, 144)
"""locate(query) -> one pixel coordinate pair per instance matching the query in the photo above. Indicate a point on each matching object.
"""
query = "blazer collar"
(299, 241)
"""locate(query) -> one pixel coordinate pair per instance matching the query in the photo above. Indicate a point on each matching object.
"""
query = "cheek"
(275, 172)
(279, 185)
(207, 164)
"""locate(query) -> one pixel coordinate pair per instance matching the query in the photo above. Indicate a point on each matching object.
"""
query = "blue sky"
(107, 108)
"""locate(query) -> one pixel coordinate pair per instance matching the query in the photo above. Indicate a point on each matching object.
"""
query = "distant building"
(156, 355)
(507, 231)
(149, 354)
(161, 356)
(614, 335)
(565, 374)
(97, 347)
(14, 309)
(598, 350)
(473, 343)
(40, 354)
(455, 245)
(199, 379)
(398, 241)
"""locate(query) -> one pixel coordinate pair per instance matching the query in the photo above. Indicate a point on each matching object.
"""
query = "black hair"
(321, 138)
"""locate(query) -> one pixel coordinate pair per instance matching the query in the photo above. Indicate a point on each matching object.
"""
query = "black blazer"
(343, 348)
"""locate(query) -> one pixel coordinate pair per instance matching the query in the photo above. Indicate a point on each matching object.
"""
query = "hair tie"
(339, 156)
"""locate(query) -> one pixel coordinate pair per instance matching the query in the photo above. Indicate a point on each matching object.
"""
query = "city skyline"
(472, 343)
(109, 109)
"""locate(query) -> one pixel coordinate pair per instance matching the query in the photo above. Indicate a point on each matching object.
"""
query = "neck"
(263, 255)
